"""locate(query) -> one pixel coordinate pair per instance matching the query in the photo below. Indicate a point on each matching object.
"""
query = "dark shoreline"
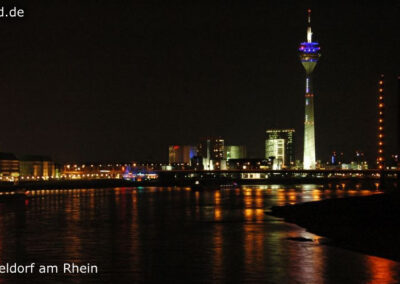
(369, 224)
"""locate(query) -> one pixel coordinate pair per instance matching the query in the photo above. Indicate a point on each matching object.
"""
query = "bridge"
(261, 176)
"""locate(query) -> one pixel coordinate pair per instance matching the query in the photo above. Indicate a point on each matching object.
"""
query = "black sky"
(100, 80)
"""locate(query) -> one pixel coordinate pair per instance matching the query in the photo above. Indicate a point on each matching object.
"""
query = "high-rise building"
(280, 145)
(381, 127)
(235, 152)
(275, 149)
(309, 55)
(212, 151)
(181, 154)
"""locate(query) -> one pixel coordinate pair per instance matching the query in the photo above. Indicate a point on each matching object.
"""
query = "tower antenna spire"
(309, 32)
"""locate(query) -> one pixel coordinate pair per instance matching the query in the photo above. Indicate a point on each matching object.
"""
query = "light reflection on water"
(161, 234)
(382, 271)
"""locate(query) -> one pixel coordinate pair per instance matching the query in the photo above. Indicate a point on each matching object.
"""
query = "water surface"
(178, 235)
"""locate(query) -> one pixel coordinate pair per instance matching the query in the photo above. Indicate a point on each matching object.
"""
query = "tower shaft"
(309, 56)
(309, 129)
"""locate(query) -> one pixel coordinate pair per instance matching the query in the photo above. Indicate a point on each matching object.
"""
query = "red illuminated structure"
(179, 154)
(381, 127)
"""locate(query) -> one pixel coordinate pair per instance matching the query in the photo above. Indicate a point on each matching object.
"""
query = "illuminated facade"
(249, 164)
(280, 145)
(235, 152)
(309, 56)
(37, 167)
(381, 124)
(181, 154)
(9, 167)
(95, 170)
(275, 148)
(212, 151)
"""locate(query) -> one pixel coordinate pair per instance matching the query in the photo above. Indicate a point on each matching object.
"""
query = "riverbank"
(368, 224)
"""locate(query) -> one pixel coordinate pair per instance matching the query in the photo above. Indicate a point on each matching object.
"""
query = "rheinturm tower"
(309, 55)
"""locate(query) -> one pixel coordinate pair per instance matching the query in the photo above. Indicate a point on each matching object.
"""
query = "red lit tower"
(381, 124)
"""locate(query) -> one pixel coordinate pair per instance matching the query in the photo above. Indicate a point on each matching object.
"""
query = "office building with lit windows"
(309, 56)
(212, 151)
(279, 146)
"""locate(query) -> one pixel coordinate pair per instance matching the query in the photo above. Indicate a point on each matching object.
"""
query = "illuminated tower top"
(309, 50)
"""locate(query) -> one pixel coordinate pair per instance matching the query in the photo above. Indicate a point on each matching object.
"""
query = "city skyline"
(148, 141)
(100, 93)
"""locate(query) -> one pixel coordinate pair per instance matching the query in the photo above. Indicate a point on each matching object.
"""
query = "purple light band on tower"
(309, 47)
(309, 59)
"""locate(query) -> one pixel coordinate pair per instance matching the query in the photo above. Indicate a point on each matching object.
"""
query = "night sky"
(100, 80)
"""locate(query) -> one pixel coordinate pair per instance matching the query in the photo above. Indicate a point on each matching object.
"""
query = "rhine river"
(171, 235)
